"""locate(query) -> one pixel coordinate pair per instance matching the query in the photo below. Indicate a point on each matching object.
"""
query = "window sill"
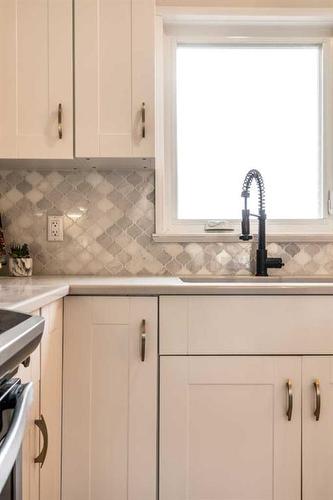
(234, 238)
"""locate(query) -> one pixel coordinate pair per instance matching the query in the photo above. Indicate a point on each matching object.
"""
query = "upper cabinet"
(114, 78)
(36, 84)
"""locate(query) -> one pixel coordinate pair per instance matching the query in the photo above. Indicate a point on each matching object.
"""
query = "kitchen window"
(233, 103)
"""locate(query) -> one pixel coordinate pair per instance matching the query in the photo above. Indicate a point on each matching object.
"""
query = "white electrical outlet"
(55, 228)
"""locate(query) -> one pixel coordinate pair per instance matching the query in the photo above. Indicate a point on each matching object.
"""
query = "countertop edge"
(39, 300)
(34, 293)
(199, 289)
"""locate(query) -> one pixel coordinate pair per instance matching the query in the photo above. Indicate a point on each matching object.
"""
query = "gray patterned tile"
(24, 186)
(108, 221)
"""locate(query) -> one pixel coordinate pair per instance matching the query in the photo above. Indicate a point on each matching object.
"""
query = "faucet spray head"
(245, 236)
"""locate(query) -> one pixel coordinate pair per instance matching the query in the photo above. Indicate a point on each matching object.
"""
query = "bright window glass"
(244, 107)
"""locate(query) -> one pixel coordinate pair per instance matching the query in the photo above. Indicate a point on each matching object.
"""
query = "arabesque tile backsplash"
(108, 223)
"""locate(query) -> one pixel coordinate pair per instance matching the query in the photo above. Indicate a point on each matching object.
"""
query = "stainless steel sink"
(255, 279)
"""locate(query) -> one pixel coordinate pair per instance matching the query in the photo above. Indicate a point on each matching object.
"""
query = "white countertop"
(28, 294)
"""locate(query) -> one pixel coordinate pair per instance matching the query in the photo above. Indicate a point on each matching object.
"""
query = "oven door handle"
(12, 442)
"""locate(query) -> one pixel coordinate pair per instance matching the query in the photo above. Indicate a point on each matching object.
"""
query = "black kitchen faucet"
(263, 262)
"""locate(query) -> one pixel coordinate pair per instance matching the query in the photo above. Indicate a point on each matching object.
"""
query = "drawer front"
(246, 325)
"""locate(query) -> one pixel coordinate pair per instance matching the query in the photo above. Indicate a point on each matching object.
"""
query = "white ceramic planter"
(20, 266)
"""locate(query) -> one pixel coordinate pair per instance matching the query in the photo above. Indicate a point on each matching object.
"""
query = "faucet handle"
(274, 262)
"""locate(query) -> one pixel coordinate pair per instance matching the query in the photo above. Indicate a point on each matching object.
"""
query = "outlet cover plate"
(55, 228)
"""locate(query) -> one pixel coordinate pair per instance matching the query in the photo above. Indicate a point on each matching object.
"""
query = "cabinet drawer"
(246, 325)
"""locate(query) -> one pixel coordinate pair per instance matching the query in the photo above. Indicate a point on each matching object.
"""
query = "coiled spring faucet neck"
(254, 175)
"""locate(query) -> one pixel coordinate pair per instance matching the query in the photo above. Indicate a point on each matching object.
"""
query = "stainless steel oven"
(15, 399)
(20, 334)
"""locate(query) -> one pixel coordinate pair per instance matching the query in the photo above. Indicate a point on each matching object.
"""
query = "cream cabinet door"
(110, 398)
(224, 432)
(114, 78)
(45, 371)
(317, 374)
(36, 77)
(51, 399)
(30, 446)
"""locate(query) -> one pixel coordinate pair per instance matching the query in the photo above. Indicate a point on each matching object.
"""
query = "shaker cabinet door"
(51, 399)
(31, 441)
(36, 78)
(224, 431)
(41, 480)
(317, 374)
(110, 398)
(114, 78)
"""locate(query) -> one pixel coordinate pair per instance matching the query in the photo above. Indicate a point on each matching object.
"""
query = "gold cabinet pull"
(143, 120)
(143, 340)
(290, 399)
(316, 385)
(41, 424)
(60, 121)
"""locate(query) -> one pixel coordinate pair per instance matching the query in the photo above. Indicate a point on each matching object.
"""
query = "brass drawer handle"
(41, 424)
(143, 120)
(290, 399)
(316, 385)
(60, 121)
(143, 340)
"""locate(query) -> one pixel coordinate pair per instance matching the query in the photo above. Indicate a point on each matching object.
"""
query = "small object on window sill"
(218, 225)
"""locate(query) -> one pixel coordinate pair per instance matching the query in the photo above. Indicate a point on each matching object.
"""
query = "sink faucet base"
(264, 263)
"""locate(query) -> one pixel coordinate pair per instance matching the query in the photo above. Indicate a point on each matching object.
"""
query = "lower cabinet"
(317, 424)
(232, 426)
(41, 449)
(30, 445)
(51, 400)
(110, 398)
(224, 430)
(246, 427)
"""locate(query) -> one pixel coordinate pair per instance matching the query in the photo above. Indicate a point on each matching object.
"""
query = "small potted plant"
(20, 260)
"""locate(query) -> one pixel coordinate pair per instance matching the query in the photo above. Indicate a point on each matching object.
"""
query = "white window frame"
(168, 227)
